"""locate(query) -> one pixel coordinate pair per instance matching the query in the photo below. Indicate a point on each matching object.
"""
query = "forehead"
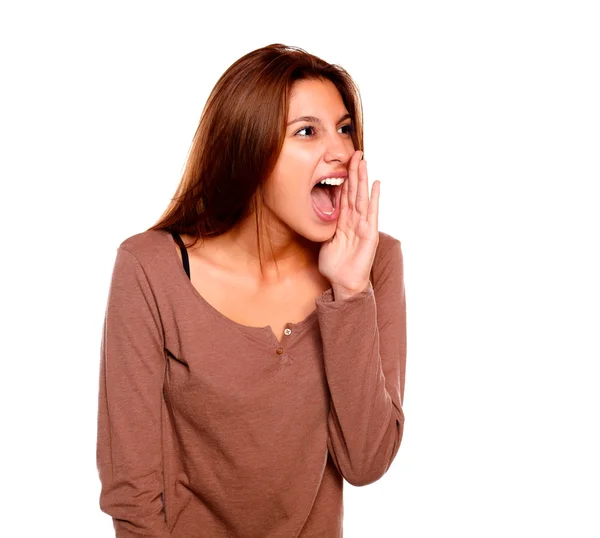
(316, 98)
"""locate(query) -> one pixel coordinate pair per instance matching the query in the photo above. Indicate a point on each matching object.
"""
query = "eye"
(304, 129)
(348, 126)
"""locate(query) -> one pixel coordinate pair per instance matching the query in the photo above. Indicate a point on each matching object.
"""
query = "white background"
(482, 121)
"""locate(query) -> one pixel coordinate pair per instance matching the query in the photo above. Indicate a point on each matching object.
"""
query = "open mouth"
(331, 190)
(325, 196)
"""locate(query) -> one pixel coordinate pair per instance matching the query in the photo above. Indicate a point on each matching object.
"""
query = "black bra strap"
(184, 254)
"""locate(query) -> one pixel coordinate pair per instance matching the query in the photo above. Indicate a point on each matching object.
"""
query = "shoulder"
(388, 258)
(148, 245)
(386, 244)
(149, 256)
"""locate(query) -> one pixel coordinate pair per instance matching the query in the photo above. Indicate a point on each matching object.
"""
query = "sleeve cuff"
(327, 300)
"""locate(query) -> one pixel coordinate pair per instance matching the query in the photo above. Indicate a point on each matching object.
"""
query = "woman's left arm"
(364, 346)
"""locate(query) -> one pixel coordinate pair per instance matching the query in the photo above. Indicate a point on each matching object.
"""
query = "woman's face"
(312, 149)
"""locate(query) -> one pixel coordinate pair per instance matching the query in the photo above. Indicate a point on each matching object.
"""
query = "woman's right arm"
(132, 368)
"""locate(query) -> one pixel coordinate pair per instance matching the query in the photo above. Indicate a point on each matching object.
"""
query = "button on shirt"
(202, 433)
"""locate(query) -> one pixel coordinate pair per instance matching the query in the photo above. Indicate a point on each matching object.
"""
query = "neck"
(290, 254)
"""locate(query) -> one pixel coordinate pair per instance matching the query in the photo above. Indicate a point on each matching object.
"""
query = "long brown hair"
(240, 135)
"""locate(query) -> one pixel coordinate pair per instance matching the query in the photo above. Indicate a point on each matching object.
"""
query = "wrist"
(340, 292)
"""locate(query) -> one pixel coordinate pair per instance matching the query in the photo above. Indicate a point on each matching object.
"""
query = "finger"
(353, 179)
(374, 205)
(362, 189)
(344, 193)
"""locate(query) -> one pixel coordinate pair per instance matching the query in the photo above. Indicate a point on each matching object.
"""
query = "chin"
(314, 232)
(319, 236)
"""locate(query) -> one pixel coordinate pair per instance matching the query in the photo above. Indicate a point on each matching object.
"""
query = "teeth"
(333, 181)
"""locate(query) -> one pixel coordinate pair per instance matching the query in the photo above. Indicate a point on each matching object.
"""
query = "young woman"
(254, 343)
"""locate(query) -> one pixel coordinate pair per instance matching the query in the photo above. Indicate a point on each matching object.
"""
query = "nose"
(338, 147)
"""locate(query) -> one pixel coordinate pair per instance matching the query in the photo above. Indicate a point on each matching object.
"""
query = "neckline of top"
(172, 244)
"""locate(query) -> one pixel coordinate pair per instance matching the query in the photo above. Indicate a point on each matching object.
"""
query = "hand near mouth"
(346, 259)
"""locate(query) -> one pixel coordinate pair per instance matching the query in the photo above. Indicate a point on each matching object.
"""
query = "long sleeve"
(364, 346)
(132, 365)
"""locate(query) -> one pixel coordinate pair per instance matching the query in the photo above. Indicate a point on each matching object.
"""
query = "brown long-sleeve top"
(210, 428)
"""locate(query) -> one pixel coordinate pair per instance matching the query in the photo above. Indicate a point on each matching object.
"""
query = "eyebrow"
(317, 120)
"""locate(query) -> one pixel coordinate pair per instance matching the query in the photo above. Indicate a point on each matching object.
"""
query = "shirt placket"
(281, 347)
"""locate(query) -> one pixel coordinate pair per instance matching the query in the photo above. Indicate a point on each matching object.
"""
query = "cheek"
(298, 155)
(281, 189)
(292, 174)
